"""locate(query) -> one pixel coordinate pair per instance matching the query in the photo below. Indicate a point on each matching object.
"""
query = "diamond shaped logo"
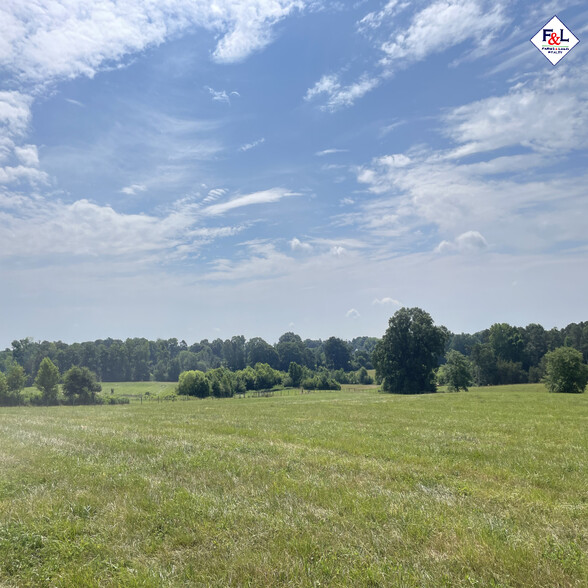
(555, 40)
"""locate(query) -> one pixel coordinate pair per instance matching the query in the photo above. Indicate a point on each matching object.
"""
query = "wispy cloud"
(263, 197)
(442, 25)
(74, 102)
(337, 95)
(38, 228)
(432, 198)
(352, 313)
(252, 145)
(330, 152)
(221, 95)
(374, 20)
(433, 29)
(214, 194)
(523, 117)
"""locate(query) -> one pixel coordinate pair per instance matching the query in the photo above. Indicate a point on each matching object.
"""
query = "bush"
(266, 377)
(565, 371)
(113, 400)
(363, 377)
(80, 385)
(321, 380)
(194, 383)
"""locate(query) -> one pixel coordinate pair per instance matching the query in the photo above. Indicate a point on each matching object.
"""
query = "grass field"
(484, 488)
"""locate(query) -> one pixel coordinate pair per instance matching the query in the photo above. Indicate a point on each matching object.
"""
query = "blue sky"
(195, 169)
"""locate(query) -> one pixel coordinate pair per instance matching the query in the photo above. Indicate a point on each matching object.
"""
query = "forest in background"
(502, 354)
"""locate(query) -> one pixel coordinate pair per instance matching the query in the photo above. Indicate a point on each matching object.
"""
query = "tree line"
(505, 354)
(163, 360)
(501, 354)
(79, 385)
(415, 355)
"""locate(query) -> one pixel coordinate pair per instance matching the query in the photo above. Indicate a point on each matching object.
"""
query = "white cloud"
(221, 95)
(74, 102)
(249, 146)
(338, 96)
(218, 96)
(434, 29)
(352, 314)
(15, 113)
(28, 155)
(525, 117)
(468, 242)
(297, 245)
(250, 26)
(263, 260)
(330, 152)
(133, 189)
(442, 25)
(263, 197)
(21, 173)
(328, 84)
(53, 39)
(374, 20)
(214, 194)
(385, 301)
(37, 228)
(516, 200)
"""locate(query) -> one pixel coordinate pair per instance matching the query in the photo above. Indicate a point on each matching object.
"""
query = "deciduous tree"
(458, 371)
(80, 385)
(47, 381)
(337, 354)
(565, 371)
(16, 379)
(409, 351)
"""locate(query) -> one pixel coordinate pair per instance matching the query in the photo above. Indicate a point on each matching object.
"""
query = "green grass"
(484, 488)
(134, 390)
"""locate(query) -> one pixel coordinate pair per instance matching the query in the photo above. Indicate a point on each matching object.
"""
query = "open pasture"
(483, 488)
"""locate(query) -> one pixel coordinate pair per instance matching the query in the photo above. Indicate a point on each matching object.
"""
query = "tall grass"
(484, 488)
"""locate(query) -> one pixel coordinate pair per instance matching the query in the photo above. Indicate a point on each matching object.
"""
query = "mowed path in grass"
(487, 487)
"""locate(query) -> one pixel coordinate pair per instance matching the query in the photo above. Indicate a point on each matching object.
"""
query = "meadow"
(351, 488)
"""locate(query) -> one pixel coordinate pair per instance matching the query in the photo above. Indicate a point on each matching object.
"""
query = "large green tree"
(259, 351)
(47, 381)
(506, 342)
(337, 354)
(80, 385)
(565, 371)
(409, 352)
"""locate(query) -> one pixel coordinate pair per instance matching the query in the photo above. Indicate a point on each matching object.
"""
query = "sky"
(202, 169)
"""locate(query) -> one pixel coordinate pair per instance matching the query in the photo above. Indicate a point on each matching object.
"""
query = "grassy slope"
(483, 488)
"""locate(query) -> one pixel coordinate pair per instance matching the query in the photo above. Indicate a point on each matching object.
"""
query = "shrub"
(565, 371)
